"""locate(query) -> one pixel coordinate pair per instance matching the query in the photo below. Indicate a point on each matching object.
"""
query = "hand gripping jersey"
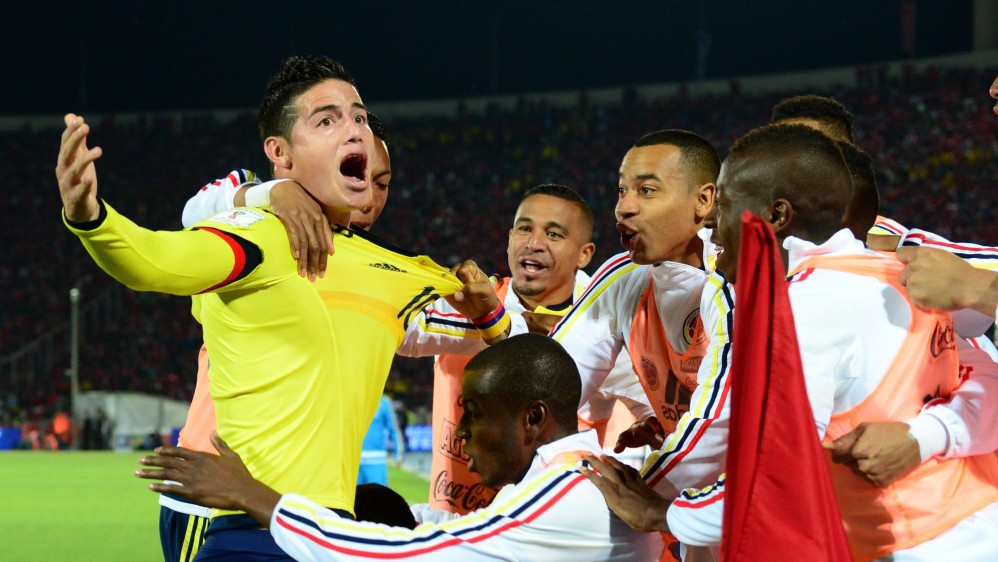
(452, 487)
(297, 367)
(939, 493)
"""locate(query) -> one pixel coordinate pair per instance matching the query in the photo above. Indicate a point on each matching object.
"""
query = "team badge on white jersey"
(238, 217)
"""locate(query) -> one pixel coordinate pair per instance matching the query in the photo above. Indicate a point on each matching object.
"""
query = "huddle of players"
(660, 301)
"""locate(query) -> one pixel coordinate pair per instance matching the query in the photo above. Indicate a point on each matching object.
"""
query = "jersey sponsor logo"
(650, 372)
(676, 400)
(388, 267)
(943, 339)
(690, 365)
(450, 443)
(463, 496)
(690, 325)
(238, 217)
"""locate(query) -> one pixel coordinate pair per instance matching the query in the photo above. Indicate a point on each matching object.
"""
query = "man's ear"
(536, 417)
(585, 254)
(706, 194)
(277, 151)
(781, 215)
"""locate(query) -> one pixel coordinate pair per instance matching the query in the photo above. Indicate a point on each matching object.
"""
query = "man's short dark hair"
(865, 206)
(834, 118)
(377, 127)
(531, 367)
(297, 74)
(805, 167)
(568, 194)
(379, 504)
(697, 156)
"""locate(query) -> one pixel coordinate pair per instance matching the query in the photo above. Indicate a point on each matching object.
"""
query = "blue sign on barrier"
(418, 438)
(9, 437)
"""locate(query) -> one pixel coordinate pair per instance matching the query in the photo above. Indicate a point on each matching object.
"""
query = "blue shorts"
(180, 535)
(239, 538)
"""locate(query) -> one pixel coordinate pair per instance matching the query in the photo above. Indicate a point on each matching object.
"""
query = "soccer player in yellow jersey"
(293, 362)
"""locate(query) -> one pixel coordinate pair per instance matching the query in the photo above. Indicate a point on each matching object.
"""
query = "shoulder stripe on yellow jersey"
(701, 415)
(246, 255)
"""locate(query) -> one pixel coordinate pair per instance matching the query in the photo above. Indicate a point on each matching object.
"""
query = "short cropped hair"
(865, 206)
(697, 156)
(377, 127)
(568, 194)
(532, 367)
(297, 74)
(379, 504)
(835, 119)
(805, 167)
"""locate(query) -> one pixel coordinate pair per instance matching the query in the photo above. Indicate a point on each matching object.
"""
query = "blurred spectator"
(933, 138)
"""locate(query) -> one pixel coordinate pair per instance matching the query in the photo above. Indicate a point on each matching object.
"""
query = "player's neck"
(338, 218)
(547, 300)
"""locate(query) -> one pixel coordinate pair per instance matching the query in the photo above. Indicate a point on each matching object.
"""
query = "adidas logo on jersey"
(388, 267)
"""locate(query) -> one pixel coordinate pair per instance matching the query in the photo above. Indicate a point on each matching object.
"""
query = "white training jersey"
(553, 514)
(692, 456)
(599, 326)
(217, 196)
(844, 360)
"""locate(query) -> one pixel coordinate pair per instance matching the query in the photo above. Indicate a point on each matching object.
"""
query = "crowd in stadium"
(928, 135)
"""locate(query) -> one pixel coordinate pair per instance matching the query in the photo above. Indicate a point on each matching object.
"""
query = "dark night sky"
(153, 55)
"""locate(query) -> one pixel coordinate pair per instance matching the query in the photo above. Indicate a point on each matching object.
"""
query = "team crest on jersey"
(238, 217)
(388, 267)
(690, 325)
(650, 372)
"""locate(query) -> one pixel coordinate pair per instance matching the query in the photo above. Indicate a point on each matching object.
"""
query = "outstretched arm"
(220, 481)
(77, 173)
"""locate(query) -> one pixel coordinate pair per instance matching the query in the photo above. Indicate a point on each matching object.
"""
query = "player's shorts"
(180, 534)
(239, 538)
(373, 473)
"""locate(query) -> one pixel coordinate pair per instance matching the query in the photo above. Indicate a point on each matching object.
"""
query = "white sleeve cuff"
(930, 433)
(259, 195)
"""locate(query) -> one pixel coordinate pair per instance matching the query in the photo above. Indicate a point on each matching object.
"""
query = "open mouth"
(532, 266)
(354, 168)
(627, 236)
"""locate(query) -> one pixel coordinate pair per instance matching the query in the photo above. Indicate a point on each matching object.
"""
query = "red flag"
(779, 500)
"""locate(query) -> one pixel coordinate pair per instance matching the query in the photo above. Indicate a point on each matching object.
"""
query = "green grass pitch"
(88, 506)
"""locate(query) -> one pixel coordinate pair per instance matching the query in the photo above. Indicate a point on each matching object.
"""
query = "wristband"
(259, 195)
(493, 324)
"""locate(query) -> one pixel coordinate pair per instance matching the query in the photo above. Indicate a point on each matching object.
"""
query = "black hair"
(380, 504)
(297, 74)
(568, 194)
(865, 205)
(697, 156)
(834, 118)
(529, 368)
(377, 127)
(805, 167)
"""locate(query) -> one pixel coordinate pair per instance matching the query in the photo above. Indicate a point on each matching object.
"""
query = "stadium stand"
(456, 180)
